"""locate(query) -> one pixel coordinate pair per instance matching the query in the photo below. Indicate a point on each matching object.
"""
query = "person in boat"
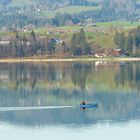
(83, 102)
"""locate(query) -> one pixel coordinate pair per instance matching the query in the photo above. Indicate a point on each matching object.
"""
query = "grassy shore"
(30, 60)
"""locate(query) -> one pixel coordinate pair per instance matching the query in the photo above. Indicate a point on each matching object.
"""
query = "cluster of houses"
(5, 41)
(109, 53)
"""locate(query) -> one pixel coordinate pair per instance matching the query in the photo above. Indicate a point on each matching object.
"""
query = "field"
(127, 24)
(69, 10)
(19, 3)
(102, 34)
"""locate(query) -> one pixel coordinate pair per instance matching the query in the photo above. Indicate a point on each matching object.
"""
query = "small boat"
(92, 105)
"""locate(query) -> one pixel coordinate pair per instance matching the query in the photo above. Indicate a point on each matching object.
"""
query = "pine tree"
(137, 37)
(51, 46)
(119, 39)
(34, 44)
(129, 43)
(79, 45)
(73, 43)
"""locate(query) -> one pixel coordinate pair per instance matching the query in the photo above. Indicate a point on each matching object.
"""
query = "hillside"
(109, 7)
(116, 6)
(48, 3)
(39, 13)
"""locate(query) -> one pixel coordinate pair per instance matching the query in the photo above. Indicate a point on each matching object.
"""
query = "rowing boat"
(92, 105)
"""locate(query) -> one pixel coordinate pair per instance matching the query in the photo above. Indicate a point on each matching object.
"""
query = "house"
(116, 52)
(57, 41)
(100, 54)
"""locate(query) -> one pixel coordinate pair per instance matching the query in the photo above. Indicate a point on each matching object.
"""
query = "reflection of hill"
(114, 86)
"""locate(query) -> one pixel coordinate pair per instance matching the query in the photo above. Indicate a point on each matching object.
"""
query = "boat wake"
(6, 109)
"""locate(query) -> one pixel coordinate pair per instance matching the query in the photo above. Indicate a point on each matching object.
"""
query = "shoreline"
(37, 60)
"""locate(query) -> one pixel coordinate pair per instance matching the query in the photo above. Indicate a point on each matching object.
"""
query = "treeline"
(24, 20)
(34, 45)
(120, 9)
(22, 46)
(130, 42)
(12, 18)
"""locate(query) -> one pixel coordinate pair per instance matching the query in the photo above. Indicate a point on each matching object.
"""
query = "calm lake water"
(57, 87)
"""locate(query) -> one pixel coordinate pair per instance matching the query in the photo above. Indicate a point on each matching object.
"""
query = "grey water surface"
(37, 101)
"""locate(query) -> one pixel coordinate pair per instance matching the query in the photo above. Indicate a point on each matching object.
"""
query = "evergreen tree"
(119, 39)
(116, 40)
(34, 45)
(79, 44)
(129, 43)
(137, 37)
(73, 43)
(51, 46)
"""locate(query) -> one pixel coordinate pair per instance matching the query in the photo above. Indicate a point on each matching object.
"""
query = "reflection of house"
(25, 42)
(5, 40)
(4, 76)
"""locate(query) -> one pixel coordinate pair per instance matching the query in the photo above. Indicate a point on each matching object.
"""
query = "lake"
(37, 100)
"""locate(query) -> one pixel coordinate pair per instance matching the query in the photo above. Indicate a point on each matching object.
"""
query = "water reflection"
(115, 86)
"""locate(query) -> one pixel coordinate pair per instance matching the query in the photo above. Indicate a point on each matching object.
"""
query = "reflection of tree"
(79, 74)
(34, 76)
(129, 74)
(51, 72)
(26, 76)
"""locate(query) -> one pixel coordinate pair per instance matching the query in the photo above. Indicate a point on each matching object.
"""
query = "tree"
(116, 36)
(51, 46)
(34, 45)
(79, 45)
(137, 37)
(64, 47)
(87, 50)
(129, 43)
(119, 39)
(73, 43)
(82, 40)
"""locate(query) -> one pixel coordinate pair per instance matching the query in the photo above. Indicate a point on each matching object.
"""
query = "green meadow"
(102, 34)
(126, 24)
(69, 10)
